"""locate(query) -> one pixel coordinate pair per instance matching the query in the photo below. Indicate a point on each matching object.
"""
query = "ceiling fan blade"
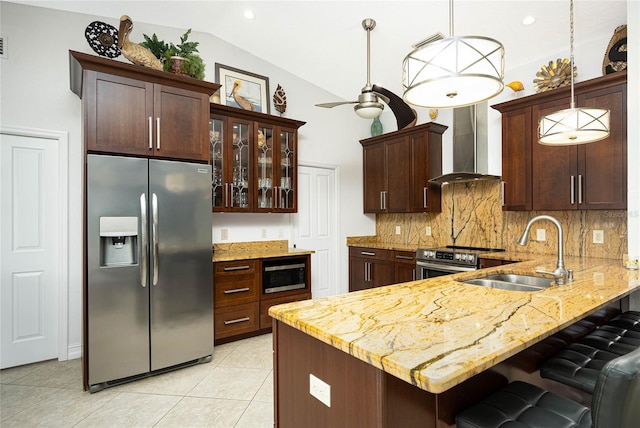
(335, 104)
(405, 116)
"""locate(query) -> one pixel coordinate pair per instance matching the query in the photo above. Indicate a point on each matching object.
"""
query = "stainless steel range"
(432, 262)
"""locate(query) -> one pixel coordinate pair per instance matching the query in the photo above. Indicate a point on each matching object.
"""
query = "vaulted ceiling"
(324, 43)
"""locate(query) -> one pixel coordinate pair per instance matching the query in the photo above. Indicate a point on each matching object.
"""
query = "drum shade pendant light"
(573, 125)
(455, 71)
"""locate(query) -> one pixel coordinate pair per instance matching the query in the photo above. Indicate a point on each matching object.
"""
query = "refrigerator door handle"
(145, 240)
(157, 133)
(154, 237)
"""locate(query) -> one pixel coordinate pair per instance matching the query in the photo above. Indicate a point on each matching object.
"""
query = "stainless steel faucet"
(560, 273)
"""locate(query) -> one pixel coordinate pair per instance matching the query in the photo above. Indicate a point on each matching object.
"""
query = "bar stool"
(615, 403)
(579, 363)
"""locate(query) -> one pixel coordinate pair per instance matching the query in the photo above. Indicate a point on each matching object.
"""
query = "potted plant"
(178, 59)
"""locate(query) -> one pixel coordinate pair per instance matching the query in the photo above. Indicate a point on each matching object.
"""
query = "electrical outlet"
(398, 230)
(427, 231)
(224, 234)
(598, 236)
(263, 233)
(320, 390)
(541, 234)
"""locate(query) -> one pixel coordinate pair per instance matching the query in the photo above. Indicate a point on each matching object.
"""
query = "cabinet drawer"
(265, 319)
(371, 253)
(233, 320)
(238, 267)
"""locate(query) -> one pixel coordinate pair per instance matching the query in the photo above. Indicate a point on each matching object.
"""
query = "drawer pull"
(232, 268)
(404, 257)
(367, 253)
(237, 321)
(236, 290)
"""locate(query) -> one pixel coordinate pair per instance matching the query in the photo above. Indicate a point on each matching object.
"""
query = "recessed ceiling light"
(249, 14)
(528, 20)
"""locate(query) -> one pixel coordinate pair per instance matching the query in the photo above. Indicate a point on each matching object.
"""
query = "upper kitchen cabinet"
(254, 158)
(397, 167)
(587, 176)
(134, 110)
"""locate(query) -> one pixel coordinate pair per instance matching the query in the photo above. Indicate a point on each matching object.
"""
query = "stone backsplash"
(472, 216)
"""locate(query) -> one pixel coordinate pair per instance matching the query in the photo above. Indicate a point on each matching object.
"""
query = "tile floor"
(233, 390)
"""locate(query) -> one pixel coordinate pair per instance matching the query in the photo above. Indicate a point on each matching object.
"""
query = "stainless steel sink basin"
(513, 282)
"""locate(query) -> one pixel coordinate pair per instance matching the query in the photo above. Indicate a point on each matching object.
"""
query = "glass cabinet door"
(216, 143)
(287, 171)
(265, 175)
(240, 162)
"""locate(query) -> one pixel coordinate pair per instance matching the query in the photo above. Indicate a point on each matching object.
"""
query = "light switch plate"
(398, 230)
(541, 234)
(427, 230)
(224, 234)
(320, 390)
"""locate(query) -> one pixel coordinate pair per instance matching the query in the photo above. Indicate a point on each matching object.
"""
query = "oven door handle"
(445, 268)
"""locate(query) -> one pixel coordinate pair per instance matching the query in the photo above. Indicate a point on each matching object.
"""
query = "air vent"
(432, 38)
(3, 47)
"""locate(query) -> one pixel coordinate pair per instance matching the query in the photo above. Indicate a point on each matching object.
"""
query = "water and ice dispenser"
(118, 241)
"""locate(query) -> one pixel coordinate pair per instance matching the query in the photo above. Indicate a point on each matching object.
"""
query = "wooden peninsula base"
(360, 395)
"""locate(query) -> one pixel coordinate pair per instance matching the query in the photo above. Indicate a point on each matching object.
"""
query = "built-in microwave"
(284, 275)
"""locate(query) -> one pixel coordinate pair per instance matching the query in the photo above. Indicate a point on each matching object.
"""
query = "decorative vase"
(176, 65)
(376, 127)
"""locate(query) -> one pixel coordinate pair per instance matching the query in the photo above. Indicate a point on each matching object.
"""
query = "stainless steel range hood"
(470, 146)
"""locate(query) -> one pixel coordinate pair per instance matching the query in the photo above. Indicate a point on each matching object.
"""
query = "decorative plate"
(554, 75)
(103, 39)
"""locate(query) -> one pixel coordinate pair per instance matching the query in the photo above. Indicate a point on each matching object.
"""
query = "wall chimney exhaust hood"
(470, 146)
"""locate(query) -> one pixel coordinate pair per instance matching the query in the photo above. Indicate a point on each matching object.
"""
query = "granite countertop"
(226, 252)
(439, 332)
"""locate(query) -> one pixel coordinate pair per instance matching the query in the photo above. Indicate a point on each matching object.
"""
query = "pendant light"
(573, 125)
(453, 72)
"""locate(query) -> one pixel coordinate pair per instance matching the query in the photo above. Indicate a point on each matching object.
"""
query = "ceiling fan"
(368, 104)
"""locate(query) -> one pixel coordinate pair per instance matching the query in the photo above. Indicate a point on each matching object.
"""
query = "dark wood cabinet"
(241, 308)
(405, 266)
(142, 112)
(370, 268)
(374, 267)
(397, 168)
(254, 158)
(588, 176)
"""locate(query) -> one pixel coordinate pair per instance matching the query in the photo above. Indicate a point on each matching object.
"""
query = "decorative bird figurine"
(516, 86)
(239, 99)
(133, 51)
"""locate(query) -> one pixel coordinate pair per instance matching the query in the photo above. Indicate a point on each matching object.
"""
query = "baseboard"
(74, 351)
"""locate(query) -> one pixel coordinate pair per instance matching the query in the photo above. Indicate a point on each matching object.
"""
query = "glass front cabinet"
(254, 161)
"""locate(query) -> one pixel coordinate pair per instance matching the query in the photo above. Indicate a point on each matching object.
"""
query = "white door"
(29, 244)
(314, 226)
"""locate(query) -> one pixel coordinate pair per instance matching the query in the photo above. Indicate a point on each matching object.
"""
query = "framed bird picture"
(243, 89)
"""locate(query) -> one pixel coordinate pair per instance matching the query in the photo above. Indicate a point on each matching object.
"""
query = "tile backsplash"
(472, 216)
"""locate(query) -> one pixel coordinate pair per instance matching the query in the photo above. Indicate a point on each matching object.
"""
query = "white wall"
(633, 134)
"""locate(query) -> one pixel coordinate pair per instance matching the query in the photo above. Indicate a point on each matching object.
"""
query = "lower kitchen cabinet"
(487, 262)
(374, 267)
(241, 308)
(405, 266)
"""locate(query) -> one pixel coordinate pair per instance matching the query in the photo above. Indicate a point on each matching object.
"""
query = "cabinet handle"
(367, 253)
(404, 257)
(502, 191)
(226, 195)
(277, 197)
(369, 271)
(381, 203)
(232, 268)
(236, 290)
(150, 133)
(237, 320)
(414, 275)
(579, 189)
(365, 271)
(573, 190)
(385, 200)
(157, 133)
(424, 197)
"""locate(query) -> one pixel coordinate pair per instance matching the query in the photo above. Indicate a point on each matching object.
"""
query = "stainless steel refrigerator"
(149, 285)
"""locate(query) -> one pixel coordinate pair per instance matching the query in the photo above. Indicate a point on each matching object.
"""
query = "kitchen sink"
(513, 282)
